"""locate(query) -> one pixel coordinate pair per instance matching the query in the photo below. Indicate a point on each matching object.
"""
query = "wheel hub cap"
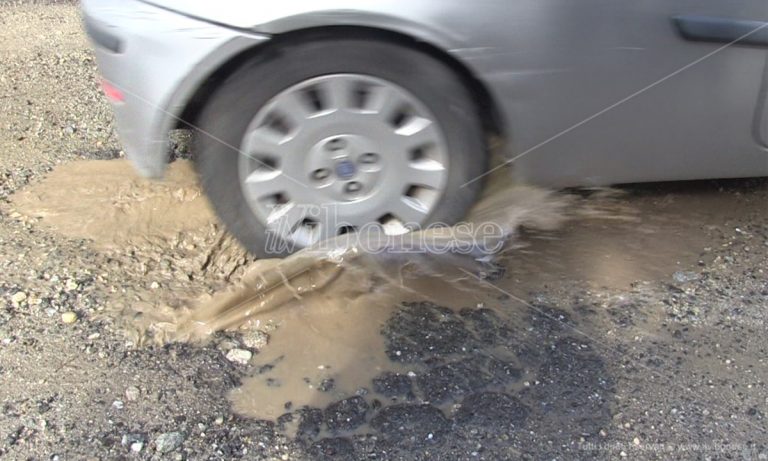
(335, 153)
(345, 169)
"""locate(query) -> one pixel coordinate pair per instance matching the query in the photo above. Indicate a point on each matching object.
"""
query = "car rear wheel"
(322, 138)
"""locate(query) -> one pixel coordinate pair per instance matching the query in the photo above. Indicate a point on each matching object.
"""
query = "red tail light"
(111, 92)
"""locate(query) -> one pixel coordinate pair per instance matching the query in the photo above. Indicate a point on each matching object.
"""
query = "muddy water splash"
(330, 304)
(369, 262)
(324, 309)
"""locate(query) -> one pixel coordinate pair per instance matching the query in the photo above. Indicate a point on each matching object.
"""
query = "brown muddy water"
(104, 201)
(323, 311)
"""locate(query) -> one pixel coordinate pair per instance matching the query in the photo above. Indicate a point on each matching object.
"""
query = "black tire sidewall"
(235, 103)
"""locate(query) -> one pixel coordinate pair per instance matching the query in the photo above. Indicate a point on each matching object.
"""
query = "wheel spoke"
(408, 211)
(264, 141)
(417, 133)
(384, 102)
(284, 219)
(307, 234)
(336, 93)
(295, 108)
(329, 223)
(267, 183)
(428, 173)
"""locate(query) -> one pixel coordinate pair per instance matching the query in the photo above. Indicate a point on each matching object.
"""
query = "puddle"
(326, 307)
(343, 326)
(105, 201)
(331, 315)
(163, 229)
(640, 233)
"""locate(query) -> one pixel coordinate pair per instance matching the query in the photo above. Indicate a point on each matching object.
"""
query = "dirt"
(337, 297)
(634, 329)
(105, 201)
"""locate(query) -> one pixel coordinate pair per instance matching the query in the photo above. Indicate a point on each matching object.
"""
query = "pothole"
(340, 329)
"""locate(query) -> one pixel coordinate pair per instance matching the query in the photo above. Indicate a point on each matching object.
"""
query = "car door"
(612, 91)
(760, 127)
(730, 31)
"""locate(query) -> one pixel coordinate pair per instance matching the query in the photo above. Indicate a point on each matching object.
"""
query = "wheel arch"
(488, 109)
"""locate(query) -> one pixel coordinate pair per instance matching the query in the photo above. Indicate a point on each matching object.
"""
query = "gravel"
(168, 442)
(577, 371)
(240, 356)
(255, 339)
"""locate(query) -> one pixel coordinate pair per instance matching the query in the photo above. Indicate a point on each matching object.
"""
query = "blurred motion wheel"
(324, 138)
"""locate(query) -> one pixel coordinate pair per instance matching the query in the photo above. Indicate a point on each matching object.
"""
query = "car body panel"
(166, 57)
(592, 92)
(279, 17)
(760, 126)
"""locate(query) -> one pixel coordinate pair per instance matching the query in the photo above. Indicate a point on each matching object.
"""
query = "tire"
(230, 110)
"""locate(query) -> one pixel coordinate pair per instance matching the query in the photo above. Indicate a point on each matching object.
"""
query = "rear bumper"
(157, 59)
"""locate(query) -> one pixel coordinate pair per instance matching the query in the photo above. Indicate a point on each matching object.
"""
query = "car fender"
(273, 18)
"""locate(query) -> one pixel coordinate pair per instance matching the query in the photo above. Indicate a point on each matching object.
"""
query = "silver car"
(316, 118)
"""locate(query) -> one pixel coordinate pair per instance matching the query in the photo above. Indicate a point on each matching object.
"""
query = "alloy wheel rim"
(335, 153)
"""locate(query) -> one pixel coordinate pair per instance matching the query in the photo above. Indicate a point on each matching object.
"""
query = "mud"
(331, 313)
(633, 236)
(325, 306)
(362, 341)
(328, 344)
(106, 202)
